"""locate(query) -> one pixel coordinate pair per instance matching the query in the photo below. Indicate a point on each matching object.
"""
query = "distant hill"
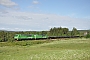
(7, 31)
(83, 30)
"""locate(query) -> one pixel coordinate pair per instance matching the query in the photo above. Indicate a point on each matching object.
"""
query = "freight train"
(29, 36)
(38, 37)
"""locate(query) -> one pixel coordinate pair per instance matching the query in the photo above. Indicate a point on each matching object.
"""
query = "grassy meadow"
(63, 49)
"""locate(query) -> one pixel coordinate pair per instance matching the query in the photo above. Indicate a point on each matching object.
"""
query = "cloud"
(34, 7)
(35, 2)
(3, 11)
(36, 21)
(7, 3)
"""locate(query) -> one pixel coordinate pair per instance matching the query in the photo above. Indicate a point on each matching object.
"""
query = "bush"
(29, 43)
(87, 36)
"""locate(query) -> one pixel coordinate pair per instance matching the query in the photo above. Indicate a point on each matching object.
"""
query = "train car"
(38, 37)
(29, 36)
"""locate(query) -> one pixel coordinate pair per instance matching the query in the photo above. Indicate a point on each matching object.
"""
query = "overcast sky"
(22, 15)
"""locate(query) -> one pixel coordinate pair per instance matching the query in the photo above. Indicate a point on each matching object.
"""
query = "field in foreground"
(71, 49)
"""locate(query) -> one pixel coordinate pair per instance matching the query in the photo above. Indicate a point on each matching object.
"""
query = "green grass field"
(69, 49)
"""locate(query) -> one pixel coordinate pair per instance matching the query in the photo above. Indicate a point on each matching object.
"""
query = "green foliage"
(88, 35)
(24, 43)
(56, 31)
(29, 43)
(3, 36)
(59, 31)
(74, 32)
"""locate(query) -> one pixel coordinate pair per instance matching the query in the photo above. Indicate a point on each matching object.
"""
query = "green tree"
(74, 32)
(65, 30)
(10, 36)
(44, 32)
(88, 34)
(3, 36)
(59, 31)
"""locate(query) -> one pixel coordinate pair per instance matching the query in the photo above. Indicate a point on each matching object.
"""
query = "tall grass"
(24, 43)
(73, 49)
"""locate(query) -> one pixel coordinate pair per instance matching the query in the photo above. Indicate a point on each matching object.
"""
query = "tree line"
(56, 31)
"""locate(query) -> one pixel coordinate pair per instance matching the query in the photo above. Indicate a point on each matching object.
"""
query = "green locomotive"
(29, 36)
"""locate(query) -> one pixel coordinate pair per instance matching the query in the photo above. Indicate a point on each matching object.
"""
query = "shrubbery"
(87, 36)
(29, 43)
(24, 43)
